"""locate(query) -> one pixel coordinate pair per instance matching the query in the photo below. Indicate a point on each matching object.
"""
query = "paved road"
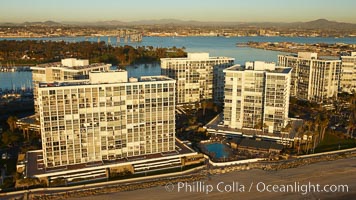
(339, 172)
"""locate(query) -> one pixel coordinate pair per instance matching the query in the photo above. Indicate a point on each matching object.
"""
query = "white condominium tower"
(313, 78)
(107, 117)
(257, 96)
(348, 73)
(66, 70)
(199, 77)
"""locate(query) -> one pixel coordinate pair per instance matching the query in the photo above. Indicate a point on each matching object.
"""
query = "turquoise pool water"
(219, 150)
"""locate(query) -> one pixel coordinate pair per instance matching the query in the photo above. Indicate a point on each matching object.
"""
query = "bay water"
(216, 46)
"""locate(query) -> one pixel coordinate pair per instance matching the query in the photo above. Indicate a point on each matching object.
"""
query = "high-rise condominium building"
(107, 117)
(199, 77)
(313, 78)
(67, 70)
(257, 96)
(348, 73)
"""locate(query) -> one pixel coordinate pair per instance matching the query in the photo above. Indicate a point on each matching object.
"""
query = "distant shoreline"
(165, 36)
(292, 47)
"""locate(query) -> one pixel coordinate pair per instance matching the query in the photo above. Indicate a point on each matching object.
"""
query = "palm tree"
(352, 119)
(204, 105)
(300, 132)
(315, 140)
(265, 126)
(11, 121)
(308, 124)
(324, 125)
(309, 134)
(351, 125)
(258, 126)
(286, 130)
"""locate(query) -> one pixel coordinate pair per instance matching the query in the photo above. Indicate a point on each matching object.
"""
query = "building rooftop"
(154, 78)
(199, 56)
(352, 54)
(263, 145)
(236, 68)
(29, 120)
(60, 65)
(270, 68)
(312, 56)
(282, 70)
(36, 165)
(216, 126)
(111, 81)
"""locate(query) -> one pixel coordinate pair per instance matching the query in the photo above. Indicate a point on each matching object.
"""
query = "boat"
(241, 44)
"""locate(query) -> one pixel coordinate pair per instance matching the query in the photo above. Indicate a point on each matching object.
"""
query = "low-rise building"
(255, 146)
(32, 166)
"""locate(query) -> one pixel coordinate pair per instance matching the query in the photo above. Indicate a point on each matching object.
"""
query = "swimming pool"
(218, 149)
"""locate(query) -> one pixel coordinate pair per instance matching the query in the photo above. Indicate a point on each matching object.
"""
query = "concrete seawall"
(219, 168)
(191, 175)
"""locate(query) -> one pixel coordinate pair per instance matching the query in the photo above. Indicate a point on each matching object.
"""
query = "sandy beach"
(254, 184)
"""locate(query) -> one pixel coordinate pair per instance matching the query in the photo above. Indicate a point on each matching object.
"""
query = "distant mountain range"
(316, 24)
(46, 23)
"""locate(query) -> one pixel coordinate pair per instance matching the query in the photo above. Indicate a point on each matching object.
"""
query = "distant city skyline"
(200, 10)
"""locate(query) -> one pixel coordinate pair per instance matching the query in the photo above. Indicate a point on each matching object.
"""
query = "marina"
(15, 80)
(15, 69)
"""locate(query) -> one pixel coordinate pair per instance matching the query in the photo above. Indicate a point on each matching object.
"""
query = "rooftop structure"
(73, 62)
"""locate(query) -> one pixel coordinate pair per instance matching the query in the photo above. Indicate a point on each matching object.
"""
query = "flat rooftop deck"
(35, 164)
(216, 125)
(59, 65)
(87, 81)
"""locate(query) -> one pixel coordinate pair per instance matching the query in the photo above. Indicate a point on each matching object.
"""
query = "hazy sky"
(202, 10)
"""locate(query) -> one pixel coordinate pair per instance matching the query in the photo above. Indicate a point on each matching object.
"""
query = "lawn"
(333, 142)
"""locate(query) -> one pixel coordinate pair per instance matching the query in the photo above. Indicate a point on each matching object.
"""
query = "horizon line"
(167, 19)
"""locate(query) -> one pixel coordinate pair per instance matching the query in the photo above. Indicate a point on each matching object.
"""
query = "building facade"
(105, 118)
(199, 77)
(348, 73)
(257, 96)
(313, 78)
(67, 70)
